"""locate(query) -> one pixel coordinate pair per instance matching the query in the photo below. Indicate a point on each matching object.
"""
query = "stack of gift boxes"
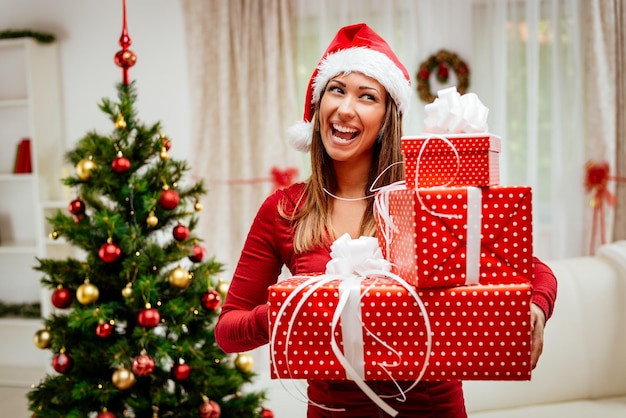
(455, 303)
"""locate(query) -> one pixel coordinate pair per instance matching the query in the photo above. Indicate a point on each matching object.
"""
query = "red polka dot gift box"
(465, 159)
(451, 236)
(478, 332)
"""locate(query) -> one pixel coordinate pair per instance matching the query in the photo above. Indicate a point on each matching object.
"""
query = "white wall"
(88, 33)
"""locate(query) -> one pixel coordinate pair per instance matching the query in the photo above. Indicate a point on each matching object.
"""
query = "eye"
(369, 97)
(335, 88)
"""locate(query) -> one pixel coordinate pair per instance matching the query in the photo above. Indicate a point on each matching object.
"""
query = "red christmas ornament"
(217, 410)
(197, 253)
(266, 413)
(120, 164)
(109, 252)
(104, 330)
(125, 59)
(61, 298)
(180, 232)
(143, 365)
(206, 409)
(211, 300)
(105, 414)
(169, 199)
(76, 207)
(62, 362)
(149, 317)
(167, 144)
(181, 371)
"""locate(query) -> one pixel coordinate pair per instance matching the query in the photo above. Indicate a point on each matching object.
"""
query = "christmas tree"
(132, 335)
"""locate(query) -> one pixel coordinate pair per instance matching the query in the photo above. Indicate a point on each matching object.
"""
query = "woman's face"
(352, 110)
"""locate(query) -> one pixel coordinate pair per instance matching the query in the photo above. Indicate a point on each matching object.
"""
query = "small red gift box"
(437, 237)
(477, 163)
(479, 332)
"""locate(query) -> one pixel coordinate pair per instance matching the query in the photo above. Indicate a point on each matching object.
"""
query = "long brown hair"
(312, 220)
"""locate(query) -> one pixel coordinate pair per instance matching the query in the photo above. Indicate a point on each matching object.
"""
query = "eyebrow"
(360, 87)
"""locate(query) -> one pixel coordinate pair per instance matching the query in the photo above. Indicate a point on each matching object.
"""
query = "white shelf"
(30, 107)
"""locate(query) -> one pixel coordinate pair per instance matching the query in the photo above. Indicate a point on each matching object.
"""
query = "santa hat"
(355, 48)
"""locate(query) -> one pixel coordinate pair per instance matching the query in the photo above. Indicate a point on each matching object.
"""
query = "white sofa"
(581, 373)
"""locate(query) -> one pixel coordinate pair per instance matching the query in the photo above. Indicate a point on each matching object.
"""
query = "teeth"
(343, 129)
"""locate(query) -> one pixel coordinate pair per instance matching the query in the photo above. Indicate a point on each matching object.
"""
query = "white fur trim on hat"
(300, 135)
(367, 61)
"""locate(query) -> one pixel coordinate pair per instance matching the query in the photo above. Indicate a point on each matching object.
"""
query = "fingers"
(537, 320)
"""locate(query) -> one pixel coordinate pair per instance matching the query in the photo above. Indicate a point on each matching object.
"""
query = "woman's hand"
(537, 324)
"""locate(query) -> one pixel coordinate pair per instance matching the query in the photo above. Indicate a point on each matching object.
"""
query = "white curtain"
(526, 63)
(242, 76)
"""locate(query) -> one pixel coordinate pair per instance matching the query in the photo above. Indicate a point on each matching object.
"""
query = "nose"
(345, 110)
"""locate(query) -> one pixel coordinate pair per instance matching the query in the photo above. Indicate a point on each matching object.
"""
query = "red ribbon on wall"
(597, 176)
(280, 178)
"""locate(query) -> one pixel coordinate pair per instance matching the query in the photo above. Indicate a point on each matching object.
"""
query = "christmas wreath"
(441, 62)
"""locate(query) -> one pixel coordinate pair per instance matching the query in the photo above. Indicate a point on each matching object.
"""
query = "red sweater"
(243, 324)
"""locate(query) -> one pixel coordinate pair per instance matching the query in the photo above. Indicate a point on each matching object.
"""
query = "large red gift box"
(479, 332)
(437, 237)
(477, 163)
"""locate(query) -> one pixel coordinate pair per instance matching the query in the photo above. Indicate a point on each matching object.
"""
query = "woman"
(352, 126)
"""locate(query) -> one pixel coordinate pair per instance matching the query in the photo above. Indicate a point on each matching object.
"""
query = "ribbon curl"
(452, 112)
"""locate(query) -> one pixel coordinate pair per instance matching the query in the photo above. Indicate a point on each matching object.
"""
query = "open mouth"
(343, 134)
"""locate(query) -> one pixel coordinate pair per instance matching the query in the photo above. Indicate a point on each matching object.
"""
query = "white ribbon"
(351, 262)
(473, 216)
(452, 112)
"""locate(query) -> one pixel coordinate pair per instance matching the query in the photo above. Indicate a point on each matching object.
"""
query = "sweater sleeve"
(544, 287)
(243, 323)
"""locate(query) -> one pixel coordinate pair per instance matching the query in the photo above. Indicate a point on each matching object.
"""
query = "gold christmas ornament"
(198, 206)
(54, 235)
(244, 362)
(179, 277)
(222, 288)
(85, 167)
(123, 378)
(42, 339)
(87, 293)
(163, 154)
(120, 123)
(152, 220)
(127, 291)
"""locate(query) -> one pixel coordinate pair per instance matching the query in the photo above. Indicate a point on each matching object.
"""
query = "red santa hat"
(355, 48)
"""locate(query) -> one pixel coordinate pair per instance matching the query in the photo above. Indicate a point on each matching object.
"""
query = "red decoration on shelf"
(169, 199)
(143, 365)
(148, 317)
(180, 232)
(597, 176)
(62, 362)
(120, 164)
(181, 371)
(61, 298)
(125, 58)
(23, 163)
(109, 252)
(211, 300)
(197, 253)
(104, 330)
(77, 207)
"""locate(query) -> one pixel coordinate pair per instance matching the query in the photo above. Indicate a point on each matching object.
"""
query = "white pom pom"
(300, 135)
